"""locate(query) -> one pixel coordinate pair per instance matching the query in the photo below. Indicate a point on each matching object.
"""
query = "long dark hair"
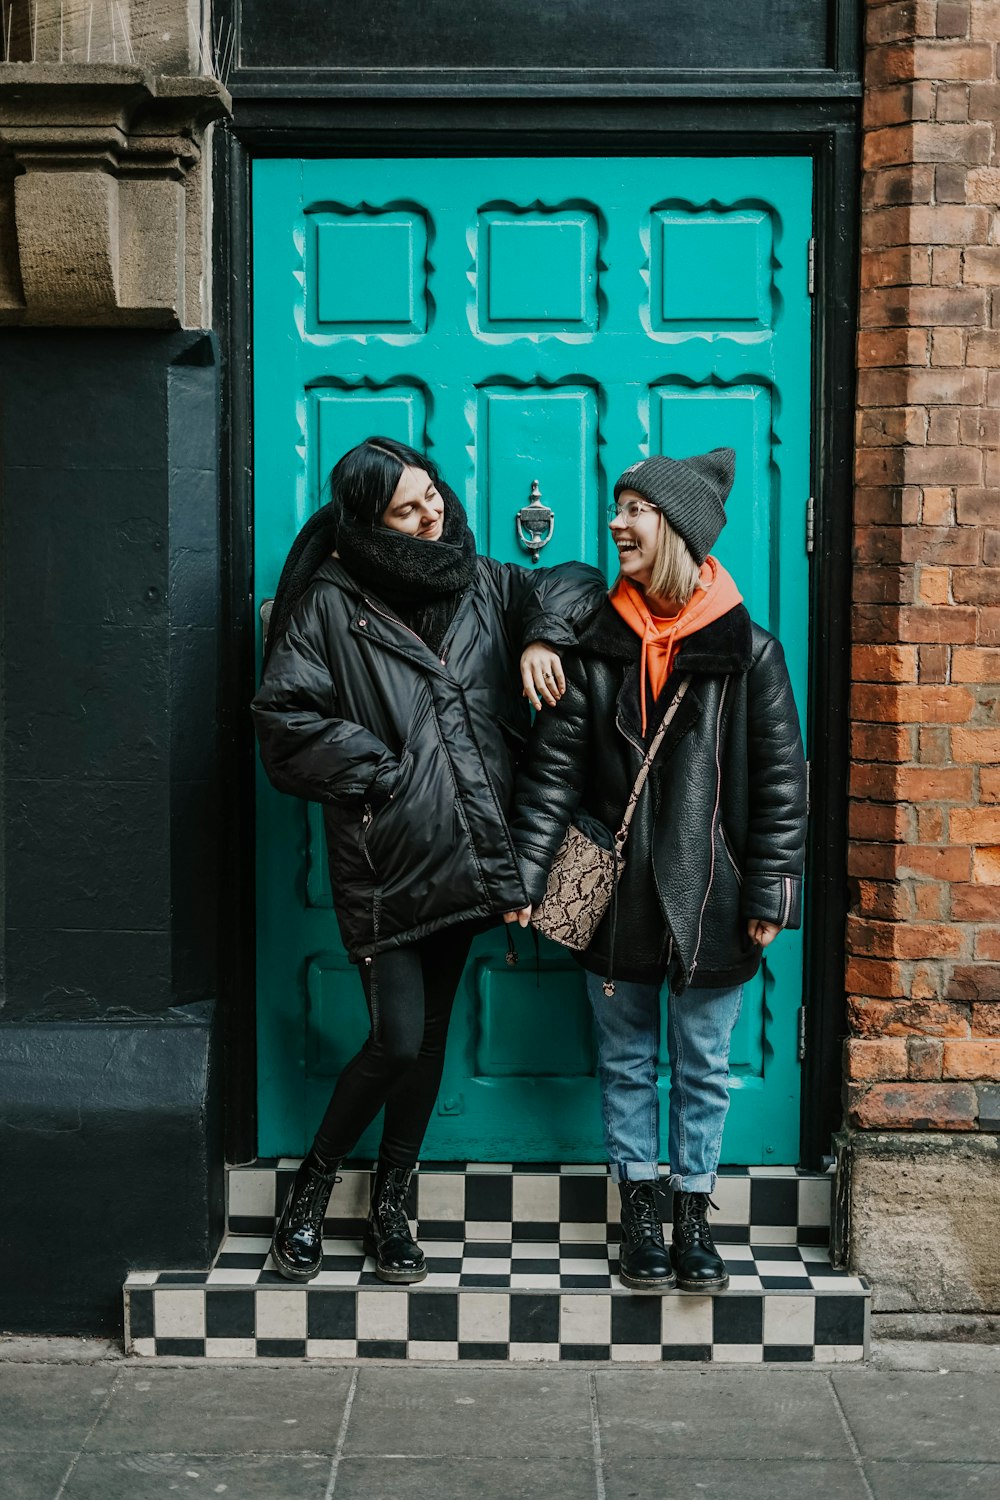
(364, 481)
(361, 485)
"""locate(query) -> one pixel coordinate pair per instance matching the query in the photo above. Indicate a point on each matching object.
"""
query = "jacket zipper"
(394, 621)
(622, 730)
(729, 854)
(715, 815)
(656, 880)
(369, 816)
(458, 797)
(496, 801)
(366, 823)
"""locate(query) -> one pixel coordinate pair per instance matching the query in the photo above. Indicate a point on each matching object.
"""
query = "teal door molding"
(525, 320)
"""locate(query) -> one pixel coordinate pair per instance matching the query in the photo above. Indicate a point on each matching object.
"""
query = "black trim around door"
(825, 129)
(736, 48)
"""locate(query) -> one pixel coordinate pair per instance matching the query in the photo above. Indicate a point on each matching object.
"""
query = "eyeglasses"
(628, 512)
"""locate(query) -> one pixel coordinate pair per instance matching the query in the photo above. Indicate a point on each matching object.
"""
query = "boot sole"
(705, 1284)
(648, 1283)
(401, 1278)
(719, 1284)
(290, 1273)
(392, 1278)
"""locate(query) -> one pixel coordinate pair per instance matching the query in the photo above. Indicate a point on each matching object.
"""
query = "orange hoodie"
(715, 595)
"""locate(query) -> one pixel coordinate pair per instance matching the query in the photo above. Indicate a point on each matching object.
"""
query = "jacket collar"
(724, 645)
(373, 621)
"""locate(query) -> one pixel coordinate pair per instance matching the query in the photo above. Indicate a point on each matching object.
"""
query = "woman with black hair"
(391, 696)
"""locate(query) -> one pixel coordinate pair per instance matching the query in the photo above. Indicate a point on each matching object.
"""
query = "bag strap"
(640, 780)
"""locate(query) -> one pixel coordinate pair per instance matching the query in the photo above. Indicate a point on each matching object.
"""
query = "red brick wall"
(923, 970)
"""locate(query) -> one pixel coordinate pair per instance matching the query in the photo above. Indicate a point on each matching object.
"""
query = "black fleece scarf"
(420, 581)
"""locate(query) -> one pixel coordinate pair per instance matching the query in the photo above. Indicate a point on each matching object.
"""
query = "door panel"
(516, 424)
(524, 320)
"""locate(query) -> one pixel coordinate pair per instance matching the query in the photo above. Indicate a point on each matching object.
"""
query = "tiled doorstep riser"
(570, 1264)
(428, 1324)
(437, 1351)
(433, 1230)
(776, 1209)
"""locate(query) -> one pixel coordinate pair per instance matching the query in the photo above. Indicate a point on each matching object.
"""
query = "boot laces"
(644, 1203)
(306, 1204)
(692, 1218)
(391, 1204)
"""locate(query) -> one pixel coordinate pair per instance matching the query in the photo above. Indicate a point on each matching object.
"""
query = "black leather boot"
(644, 1263)
(699, 1266)
(297, 1245)
(398, 1257)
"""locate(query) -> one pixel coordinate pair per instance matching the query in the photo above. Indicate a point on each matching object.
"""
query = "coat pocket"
(724, 939)
(728, 848)
(375, 821)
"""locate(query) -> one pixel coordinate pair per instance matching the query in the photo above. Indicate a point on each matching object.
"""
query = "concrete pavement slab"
(478, 1412)
(896, 1481)
(727, 1479)
(35, 1349)
(937, 1355)
(238, 1409)
(161, 1476)
(729, 1414)
(462, 1478)
(922, 1416)
(50, 1408)
(32, 1476)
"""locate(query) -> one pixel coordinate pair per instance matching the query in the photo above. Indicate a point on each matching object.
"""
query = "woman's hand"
(522, 917)
(542, 676)
(762, 932)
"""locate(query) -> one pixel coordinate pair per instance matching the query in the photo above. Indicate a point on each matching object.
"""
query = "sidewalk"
(107, 1429)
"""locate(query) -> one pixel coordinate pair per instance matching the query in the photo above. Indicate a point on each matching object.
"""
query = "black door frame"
(827, 129)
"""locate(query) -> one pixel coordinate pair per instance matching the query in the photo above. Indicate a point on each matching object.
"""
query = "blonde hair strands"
(675, 572)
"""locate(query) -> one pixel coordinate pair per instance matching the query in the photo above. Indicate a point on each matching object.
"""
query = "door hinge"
(811, 268)
(810, 524)
(802, 1033)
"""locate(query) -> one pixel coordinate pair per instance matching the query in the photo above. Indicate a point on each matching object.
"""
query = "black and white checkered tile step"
(521, 1301)
(521, 1266)
(760, 1205)
(534, 1266)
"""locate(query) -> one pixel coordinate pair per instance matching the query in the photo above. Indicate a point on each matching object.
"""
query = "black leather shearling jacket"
(718, 834)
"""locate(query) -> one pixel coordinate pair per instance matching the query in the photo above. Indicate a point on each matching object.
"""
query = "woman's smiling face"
(416, 506)
(636, 538)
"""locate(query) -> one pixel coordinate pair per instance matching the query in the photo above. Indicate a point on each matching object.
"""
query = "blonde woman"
(713, 864)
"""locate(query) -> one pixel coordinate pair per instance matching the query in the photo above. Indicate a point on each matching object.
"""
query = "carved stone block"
(67, 235)
(98, 221)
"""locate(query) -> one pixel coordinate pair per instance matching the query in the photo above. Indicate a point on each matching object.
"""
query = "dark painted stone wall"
(110, 1146)
(634, 35)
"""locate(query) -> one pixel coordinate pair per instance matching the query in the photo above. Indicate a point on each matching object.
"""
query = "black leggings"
(410, 992)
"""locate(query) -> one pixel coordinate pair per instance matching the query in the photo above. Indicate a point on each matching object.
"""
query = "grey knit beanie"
(691, 492)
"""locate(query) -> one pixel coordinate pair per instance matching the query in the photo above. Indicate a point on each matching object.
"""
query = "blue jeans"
(699, 1027)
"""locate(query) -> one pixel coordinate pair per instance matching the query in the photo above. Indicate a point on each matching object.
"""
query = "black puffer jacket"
(718, 834)
(412, 753)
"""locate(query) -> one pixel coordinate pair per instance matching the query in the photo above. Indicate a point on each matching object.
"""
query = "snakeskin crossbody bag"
(584, 874)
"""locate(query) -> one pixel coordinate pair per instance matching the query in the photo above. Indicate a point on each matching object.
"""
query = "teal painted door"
(522, 320)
